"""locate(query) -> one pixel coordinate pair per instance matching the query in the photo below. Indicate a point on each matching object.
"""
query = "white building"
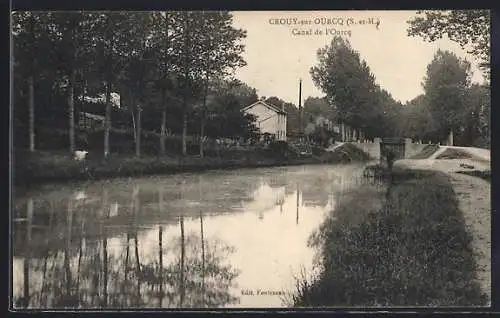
(269, 118)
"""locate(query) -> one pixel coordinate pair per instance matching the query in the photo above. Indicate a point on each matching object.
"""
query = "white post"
(376, 148)
(450, 138)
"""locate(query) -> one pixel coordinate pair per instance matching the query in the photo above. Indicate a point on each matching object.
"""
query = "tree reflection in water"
(188, 270)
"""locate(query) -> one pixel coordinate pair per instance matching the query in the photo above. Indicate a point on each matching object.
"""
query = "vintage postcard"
(250, 159)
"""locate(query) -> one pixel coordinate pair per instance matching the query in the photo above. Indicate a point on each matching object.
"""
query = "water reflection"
(193, 240)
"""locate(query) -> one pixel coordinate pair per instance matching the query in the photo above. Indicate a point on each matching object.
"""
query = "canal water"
(215, 239)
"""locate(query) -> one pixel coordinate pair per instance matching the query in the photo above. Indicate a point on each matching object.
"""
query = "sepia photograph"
(250, 159)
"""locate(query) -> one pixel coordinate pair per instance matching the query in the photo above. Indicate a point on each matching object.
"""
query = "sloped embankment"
(428, 151)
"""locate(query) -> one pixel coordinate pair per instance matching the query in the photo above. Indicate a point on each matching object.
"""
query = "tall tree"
(138, 72)
(190, 66)
(315, 107)
(30, 36)
(165, 36)
(469, 28)
(346, 80)
(475, 118)
(385, 112)
(415, 120)
(221, 52)
(71, 31)
(445, 86)
(116, 36)
(224, 115)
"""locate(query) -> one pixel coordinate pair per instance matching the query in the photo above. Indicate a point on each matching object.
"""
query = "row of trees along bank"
(451, 103)
(351, 91)
(160, 63)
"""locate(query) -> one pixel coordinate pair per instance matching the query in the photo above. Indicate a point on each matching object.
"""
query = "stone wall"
(373, 148)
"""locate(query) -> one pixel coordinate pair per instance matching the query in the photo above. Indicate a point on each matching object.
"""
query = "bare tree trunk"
(47, 243)
(127, 251)
(160, 251)
(27, 257)
(103, 216)
(67, 267)
(182, 263)
(136, 239)
(127, 256)
(163, 130)
(105, 269)
(43, 294)
(202, 259)
(184, 130)
(202, 116)
(160, 273)
(202, 134)
(80, 254)
(342, 131)
(71, 111)
(138, 268)
(138, 133)
(31, 107)
(134, 126)
(107, 120)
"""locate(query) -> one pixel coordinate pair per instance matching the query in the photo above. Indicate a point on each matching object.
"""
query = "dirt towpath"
(474, 195)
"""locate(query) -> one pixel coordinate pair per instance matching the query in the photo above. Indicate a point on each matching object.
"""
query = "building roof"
(268, 105)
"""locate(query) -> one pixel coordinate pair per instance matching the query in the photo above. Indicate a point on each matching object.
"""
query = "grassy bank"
(41, 167)
(411, 249)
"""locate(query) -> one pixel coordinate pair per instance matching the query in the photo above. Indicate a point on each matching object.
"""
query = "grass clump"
(411, 250)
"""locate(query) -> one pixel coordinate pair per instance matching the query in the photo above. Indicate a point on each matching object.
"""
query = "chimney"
(301, 128)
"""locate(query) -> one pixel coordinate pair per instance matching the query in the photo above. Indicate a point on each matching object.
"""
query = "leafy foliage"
(151, 59)
(315, 107)
(351, 90)
(445, 86)
(449, 102)
(224, 110)
(469, 28)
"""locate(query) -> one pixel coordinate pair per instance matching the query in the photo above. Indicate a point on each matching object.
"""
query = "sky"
(276, 57)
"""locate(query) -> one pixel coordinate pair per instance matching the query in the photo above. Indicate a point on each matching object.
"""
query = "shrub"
(278, 148)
